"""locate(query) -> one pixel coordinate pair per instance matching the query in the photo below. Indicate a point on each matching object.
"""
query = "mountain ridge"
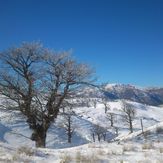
(149, 96)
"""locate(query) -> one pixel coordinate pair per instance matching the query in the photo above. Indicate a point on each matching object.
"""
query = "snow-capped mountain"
(149, 96)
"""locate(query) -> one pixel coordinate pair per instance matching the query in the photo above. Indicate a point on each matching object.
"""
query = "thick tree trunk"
(39, 136)
(41, 142)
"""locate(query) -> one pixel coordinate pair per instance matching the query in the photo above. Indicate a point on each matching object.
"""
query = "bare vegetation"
(129, 114)
(36, 81)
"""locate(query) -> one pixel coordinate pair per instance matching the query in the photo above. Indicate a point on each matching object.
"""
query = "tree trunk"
(142, 128)
(69, 134)
(131, 128)
(69, 138)
(41, 142)
(93, 136)
(98, 136)
(105, 108)
(116, 131)
(111, 120)
(39, 136)
(104, 136)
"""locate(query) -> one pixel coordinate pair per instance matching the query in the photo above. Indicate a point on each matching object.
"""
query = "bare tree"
(68, 125)
(110, 117)
(129, 114)
(99, 131)
(142, 127)
(18, 77)
(87, 102)
(38, 81)
(105, 103)
(93, 136)
(94, 102)
(67, 122)
(116, 130)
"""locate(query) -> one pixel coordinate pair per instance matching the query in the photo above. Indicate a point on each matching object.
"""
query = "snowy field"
(16, 146)
(149, 152)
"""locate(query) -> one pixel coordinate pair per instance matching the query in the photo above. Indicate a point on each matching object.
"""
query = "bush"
(147, 133)
(19, 158)
(27, 151)
(65, 158)
(147, 146)
(86, 158)
(161, 150)
(128, 147)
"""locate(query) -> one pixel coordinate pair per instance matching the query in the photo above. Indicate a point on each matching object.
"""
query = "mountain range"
(149, 96)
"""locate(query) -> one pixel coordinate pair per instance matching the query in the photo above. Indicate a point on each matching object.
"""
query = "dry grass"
(25, 150)
(22, 154)
(161, 150)
(65, 158)
(129, 147)
(80, 158)
(147, 146)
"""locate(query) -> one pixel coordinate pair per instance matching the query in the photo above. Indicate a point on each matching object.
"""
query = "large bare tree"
(38, 81)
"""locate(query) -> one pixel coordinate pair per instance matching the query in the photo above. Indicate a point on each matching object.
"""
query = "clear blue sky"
(122, 39)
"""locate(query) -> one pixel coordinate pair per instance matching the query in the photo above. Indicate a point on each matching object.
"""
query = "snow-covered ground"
(148, 152)
(15, 143)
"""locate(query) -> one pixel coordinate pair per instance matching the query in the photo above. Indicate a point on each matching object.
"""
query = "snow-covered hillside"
(15, 135)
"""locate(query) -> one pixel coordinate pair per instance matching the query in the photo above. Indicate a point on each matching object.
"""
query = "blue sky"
(121, 39)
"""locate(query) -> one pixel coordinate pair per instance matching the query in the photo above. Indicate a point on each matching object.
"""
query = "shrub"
(146, 133)
(147, 146)
(27, 151)
(86, 158)
(161, 150)
(19, 158)
(65, 158)
(129, 148)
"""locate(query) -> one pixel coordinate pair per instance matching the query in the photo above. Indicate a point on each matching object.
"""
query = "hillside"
(15, 133)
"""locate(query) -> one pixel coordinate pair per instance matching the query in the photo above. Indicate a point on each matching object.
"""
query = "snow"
(15, 134)
(92, 152)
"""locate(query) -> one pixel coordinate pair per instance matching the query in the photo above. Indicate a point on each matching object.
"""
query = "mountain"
(148, 96)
